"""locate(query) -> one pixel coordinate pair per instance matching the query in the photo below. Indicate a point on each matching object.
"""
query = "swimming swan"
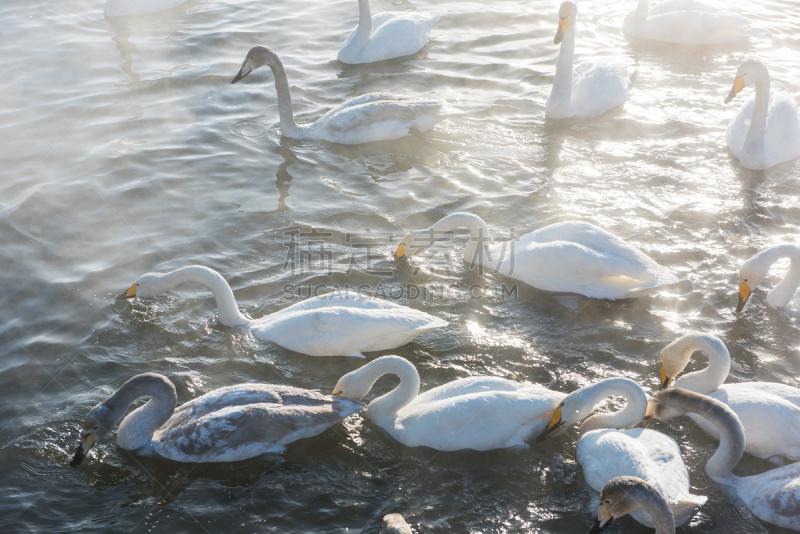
(395, 524)
(755, 269)
(224, 425)
(686, 22)
(622, 495)
(590, 89)
(366, 118)
(605, 453)
(769, 411)
(773, 496)
(337, 324)
(386, 35)
(766, 131)
(479, 413)
(572, 257)
(121, 8)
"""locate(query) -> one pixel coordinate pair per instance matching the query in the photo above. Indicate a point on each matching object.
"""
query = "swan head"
(566, 12)
(675, 357)
(414, 243)
(749, 72)
(99, 422)
(667, 403)
(620, 496)
(146, 286)
(258, 56)
(751, 274)
(574, 408)
(352, 386)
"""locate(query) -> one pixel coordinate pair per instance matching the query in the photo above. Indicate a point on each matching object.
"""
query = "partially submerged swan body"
(224, 425)
(122, 8)
(689, 22)
(336, 324)
(363, 119)
(606, 453)
(395, 524)
(755, 269)
(386, 35)
(570, 257)
(773, 496)
(769, 412)
(766, 131)
(588, 89)
(479, 413)
(622, 495)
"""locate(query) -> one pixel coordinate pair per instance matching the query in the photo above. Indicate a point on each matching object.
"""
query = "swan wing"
(341, 299)
(692, 23)
(479, 414)
(774, 496)
(344, 330)
(243, 421)
(393, 35)
(599, 86)
(782, 141)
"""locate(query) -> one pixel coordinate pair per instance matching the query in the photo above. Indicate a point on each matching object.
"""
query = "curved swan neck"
(561, 95)
(136, 430)
(364, 31)
(478, 235)
(651, 501)
(632, 413)
(782, 293)
(389, 404)
(719, 362)
(229, 313)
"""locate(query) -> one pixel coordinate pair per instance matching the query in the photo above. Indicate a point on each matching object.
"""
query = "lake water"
(126, 150)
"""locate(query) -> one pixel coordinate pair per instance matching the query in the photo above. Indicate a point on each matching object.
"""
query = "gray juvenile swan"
(773, 496)
(623, 495)
(224, 425)
(366, 118)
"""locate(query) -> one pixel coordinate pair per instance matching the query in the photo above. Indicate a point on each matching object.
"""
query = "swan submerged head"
(146, 286)
(99, 422)
(257, 57)
(413, 243)
(568, 9)
(748, 73)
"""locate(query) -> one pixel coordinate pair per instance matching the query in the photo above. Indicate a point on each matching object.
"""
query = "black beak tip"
(77, 458)
(740, 305)
(238, 77)
(597, 529)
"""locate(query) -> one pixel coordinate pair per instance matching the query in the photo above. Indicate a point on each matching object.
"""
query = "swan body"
(479, 413)
(336, 324)
(395, 524)
(754, 270)
(769, 412)
(588, 89)
(386, 35)
(622, 495)
(773, 496)
(766, 131)
(606, 453)
(121, 8)
(367, 118)
(571, 257)
(225, 425)
(686, 22)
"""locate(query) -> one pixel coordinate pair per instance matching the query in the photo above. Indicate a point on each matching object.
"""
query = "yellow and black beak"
(562, 28)
(130, 293)
(599, 526)
(336, 394)
(401, 251)
(744, 294)
(553, 426)
(738, 85)
(85, 445)
(665, 380)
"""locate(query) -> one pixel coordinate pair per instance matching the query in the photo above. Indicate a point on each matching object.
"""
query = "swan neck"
(387, 406)
(756, 135)
(633, 412)
(229, 313)
(137, 429)
(475, 252)
(731, 436)
(786, 288)
(289, 127)
(364, 31)
(719, 365)
(561, 95)
(640, 13)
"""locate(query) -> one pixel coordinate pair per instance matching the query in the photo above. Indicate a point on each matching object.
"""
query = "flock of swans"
(635, 470)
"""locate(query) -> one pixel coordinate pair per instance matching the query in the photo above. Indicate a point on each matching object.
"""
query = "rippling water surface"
(126, 150)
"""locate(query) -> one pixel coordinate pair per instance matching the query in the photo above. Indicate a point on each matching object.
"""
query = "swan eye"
(608, 501)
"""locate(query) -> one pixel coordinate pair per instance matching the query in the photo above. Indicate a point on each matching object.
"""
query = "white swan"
(336, 324)
(773, 496)
(605, 453)
(366, 118)
(755, 269)
(479, 413)
(686, 22)
(769, 412)
(386, 35)
(394, 524)
(590, 89)
(624, 494)
(225, 425)
(766, 131)
(121, 8)
(572, 257)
